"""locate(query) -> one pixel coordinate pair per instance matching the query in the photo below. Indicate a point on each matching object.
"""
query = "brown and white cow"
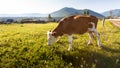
(77, 24)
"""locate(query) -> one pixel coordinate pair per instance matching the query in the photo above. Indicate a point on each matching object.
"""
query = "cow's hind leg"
(93, 29)
(90, 38)
(98, 38)
(70, 42)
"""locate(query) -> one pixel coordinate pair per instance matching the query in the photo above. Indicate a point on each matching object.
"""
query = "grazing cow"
(77, 24)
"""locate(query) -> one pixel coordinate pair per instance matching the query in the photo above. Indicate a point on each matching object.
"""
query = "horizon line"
(54, 11)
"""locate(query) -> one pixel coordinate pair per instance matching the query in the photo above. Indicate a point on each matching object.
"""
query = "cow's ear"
(53, 33)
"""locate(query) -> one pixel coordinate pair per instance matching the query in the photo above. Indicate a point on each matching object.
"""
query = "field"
(25, 46)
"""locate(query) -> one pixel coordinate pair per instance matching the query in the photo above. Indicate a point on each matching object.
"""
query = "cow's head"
(50, 38)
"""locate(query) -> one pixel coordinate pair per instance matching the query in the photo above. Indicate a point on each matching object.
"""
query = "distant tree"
(49, 17)
(111, 14)
(108, 17)
(85, 12)
(10, 20)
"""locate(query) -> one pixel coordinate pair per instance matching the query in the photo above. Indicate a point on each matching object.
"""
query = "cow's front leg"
(70, 42)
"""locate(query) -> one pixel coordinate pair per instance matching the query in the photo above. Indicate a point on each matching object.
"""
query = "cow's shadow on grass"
(83, 58)
(86, 58)
(117, 43)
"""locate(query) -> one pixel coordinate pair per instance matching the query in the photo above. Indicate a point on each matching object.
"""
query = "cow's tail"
(103, 22)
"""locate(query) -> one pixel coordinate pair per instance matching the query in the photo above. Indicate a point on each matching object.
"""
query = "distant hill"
(71, 11)
(115, 12)
(66, 12)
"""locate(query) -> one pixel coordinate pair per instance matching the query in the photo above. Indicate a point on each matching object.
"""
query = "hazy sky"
(48, 6)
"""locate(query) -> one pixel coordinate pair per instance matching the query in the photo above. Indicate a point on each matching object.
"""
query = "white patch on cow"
(93, 28)
(50, 38)
(70, 42)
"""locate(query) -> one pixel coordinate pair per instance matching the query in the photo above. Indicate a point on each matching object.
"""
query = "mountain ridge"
(66, 11)
(113, 12)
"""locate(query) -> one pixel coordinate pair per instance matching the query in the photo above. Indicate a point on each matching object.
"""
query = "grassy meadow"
(25, 46)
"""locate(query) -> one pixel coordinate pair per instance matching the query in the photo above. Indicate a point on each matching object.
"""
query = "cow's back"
(76, 24)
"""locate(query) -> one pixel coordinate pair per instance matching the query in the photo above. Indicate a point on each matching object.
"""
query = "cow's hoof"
(100, 47)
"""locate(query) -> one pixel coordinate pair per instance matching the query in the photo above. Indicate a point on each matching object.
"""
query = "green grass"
(25, 46)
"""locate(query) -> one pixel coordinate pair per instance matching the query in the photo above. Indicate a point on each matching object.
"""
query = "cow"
(76, 24)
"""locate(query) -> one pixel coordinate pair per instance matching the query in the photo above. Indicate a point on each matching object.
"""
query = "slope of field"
(25, 46)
